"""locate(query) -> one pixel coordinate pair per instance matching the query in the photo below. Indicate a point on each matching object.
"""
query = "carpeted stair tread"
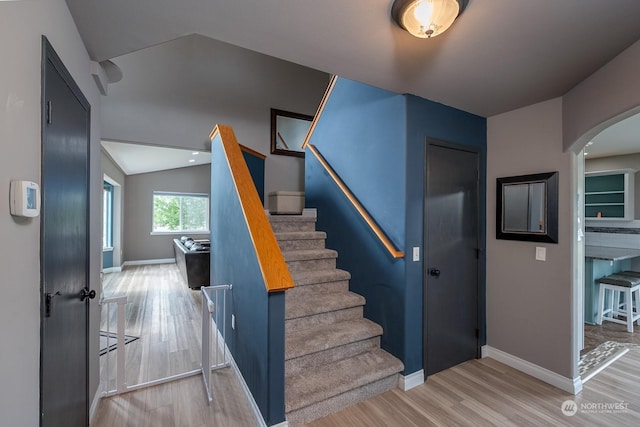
(321, 303)
(312, 277)
(326, 381)
(310, 254)
(324, 337)
(300, 235)
(292, 218)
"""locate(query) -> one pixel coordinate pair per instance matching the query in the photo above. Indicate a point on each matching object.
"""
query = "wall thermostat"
(24, 198)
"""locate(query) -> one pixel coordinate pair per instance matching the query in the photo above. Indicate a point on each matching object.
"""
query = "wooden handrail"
(252, 152)
(396, 253)
(272, 264)
(323, 102)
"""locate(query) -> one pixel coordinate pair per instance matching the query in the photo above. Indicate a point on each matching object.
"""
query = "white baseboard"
(150, 261)
(112, 270)
(93, 409)
(410, 381)
(573, 386)
(282, 424)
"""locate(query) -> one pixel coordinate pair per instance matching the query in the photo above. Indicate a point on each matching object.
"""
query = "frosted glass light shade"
(427, 18)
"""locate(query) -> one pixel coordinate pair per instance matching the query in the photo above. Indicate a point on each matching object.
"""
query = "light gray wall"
(629, 161)
(138, 243)
(604, 98)
(21, 25)
(114, 172)
(154, 103)
(528, 301)
(531, 304)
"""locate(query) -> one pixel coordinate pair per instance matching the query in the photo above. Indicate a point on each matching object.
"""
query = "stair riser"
(305, 291)
(321, 409)
(311, 264)
(301, 244)
(301, 323)
(299, 364)
(285, 227)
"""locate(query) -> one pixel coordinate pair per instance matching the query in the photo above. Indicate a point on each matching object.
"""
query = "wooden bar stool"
(611, 287)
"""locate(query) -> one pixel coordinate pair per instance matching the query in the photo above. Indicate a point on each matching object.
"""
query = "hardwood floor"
(179, 403)
(477, 393)
(487, 393)
(165, 314)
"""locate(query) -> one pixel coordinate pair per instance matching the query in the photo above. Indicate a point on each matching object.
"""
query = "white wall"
(528, 301)
(21, 25)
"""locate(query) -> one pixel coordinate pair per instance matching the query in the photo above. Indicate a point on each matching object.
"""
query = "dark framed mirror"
(527, 207)
(288, 131)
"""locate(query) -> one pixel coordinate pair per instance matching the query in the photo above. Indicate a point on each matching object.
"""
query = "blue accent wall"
(375, 140)
(426, 118)
(257, 342)
(362, 135)
(256, 169)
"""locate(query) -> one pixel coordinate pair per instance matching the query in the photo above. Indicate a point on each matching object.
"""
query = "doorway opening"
(607, 178)
(162, 312)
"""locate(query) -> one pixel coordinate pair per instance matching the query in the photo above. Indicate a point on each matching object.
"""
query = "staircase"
(333, 357)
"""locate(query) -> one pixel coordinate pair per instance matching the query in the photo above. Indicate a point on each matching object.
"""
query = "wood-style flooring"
(166, 315)
(477, 393)
(487, 393)
(179, 403)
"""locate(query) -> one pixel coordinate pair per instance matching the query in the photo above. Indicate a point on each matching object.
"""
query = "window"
(107, 215)
(180, 212)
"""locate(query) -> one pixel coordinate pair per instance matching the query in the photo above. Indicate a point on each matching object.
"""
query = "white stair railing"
(214, 301)
(214, 314)
(121, 384)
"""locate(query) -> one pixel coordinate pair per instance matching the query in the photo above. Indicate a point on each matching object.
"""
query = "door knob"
(434, 272)
(86, 293)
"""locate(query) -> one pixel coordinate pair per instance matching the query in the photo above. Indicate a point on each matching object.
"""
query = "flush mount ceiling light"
(426, 18)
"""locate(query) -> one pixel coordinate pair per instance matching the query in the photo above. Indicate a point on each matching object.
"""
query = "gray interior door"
(64, 248)
(451, 262)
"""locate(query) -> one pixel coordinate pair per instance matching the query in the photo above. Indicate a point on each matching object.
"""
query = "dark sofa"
(194, 260)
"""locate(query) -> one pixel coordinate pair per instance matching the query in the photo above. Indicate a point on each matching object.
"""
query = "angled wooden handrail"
(323, 102)
(274, 269)
(395, 252)
(251, 151)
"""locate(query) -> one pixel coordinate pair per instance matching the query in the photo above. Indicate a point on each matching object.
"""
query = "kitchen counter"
(610, 254)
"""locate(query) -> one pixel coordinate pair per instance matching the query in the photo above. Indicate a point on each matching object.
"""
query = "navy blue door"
(64, 248)
(451, 262)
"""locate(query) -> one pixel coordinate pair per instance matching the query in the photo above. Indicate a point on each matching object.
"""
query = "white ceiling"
(136, 158)
(498, 56)
(621, 138)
